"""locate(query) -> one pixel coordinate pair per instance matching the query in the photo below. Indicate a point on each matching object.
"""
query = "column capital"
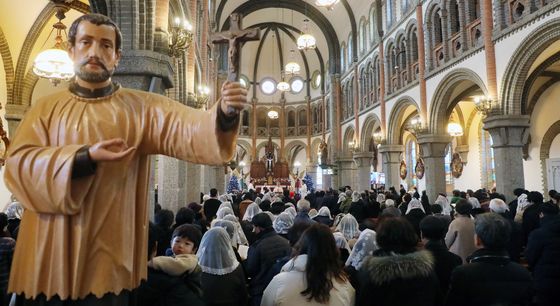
(433, 145)
(508, 130)
(387, 148)
(362, 158)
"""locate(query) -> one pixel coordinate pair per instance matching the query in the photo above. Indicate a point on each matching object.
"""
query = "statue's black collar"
(95, 93)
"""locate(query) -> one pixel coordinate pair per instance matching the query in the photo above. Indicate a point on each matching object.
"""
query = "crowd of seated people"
(344, 247)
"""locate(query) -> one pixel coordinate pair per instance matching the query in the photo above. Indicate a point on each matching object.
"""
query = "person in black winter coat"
(398, 274)
(162, 289)
(490, 277)
(531, 214)
(543, 256)
(262, 255)
(357, 207)
(433, 230)
(515, 243)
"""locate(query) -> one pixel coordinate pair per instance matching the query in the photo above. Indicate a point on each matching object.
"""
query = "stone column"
(193, 184)
(14, 115)
(254, 156)
(382, 88)
(421, 65)
(327, 182)
(216, 178)
(391, 159)
(171, 183)
(433, 148)
(489, 52)
(363, 169)
(346, 171)
(335, 111)
(509, 133)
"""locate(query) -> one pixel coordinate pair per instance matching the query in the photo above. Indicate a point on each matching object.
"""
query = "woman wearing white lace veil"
(251, 211)
(223, 211)
(283, 223)
(365, 246)
(444, 203)
(223, 280)
(239, 235)
(342, 245)
(226, 204)
(291, 211)
(324, 216)
(348, 226)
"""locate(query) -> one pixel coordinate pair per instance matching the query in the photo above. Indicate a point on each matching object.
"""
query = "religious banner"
(456, 165)
(419, 169)
(403, 172)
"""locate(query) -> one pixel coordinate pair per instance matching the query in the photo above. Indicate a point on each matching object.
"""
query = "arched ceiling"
(284, 19)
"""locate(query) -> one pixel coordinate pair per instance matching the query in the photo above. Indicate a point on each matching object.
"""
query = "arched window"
(302, 117)
(389, 10)
(372, 26)
(411, 163)
(245, 121)
(291, 119)
(363, 43)
(343, 57)
(487, 160)
(455, 22)
(438, 28)
(448, 175)
(349, 56)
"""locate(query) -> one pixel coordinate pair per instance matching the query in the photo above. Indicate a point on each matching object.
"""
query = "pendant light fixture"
(55, 64)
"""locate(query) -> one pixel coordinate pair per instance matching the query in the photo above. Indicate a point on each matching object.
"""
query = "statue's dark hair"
(96, 19)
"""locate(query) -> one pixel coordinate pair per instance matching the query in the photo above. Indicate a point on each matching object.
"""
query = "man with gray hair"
(515, 244)
(490, 277)
(303, 207)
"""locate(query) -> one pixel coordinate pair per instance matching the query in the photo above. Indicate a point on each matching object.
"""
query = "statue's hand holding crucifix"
(232, 91)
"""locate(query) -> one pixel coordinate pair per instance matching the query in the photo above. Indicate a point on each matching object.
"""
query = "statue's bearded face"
(94, 54)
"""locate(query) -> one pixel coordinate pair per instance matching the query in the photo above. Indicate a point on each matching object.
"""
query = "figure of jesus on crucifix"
(235, 37)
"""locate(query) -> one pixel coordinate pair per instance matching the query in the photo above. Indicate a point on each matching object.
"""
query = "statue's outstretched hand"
(110, 150)
(234, 98)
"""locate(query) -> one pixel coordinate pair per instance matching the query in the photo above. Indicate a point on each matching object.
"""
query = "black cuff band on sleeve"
(227, 123)
(83, 165)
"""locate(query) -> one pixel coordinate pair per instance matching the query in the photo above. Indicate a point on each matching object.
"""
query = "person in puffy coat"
(313, 276)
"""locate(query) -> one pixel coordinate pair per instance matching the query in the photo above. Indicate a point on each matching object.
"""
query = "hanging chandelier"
(292, 67)
(329, 4)
(55, 64)
(454, 129)
(272, 114)
(306, 41)
(283, 85)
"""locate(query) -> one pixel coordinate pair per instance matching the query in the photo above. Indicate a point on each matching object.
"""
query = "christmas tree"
(308, 180)
(233, 184)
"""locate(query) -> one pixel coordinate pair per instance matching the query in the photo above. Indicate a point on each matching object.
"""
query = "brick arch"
(548, 138)
(314, 149)
(370, 125)
(546, 143)
(8, 63)
(395, 117)
(349, 134)
(246, 146)
(292, 145)
(517, 70)
(442, 100)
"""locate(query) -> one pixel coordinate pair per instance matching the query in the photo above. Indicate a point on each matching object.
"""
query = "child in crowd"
(184, 244)
(173, 281)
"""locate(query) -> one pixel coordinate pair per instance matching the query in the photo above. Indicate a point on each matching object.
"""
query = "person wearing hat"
(262, 254)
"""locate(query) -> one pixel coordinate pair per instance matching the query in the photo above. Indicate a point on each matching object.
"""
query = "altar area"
(269, 170)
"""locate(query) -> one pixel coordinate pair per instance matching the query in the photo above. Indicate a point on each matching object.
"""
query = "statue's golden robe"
(89, 235)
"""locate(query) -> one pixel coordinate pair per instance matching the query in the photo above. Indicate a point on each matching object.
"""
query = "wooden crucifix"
(235, 37)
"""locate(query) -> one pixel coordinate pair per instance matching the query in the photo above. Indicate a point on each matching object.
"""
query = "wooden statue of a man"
(79, 164)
